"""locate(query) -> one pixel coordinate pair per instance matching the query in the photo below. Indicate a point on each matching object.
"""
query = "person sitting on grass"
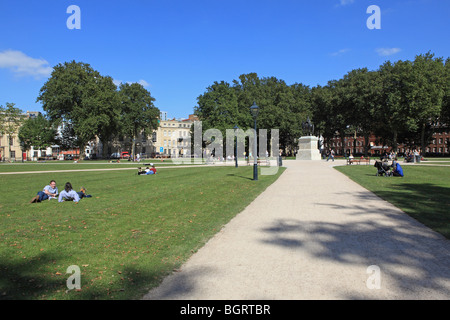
(398, 171)
(147, 170)
(50, 191)
(152, 170)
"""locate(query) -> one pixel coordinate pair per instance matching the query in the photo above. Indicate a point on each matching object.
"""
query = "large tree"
(427, 93)
(37, 132)
(138, 113)
(282, 107)
(396, 113)
(445, 112)
(362, 98)
(78, 94)
(67, 139)
(218, 107)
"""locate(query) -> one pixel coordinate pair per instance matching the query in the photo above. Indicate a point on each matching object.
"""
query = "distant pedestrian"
(331, 155)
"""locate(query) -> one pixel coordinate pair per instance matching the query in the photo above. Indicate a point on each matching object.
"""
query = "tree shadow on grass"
(239, 176)
(30, 280)
(20, 281)
(427, 203)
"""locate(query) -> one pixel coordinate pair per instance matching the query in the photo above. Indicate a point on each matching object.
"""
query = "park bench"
(364, 160)
(359, 161)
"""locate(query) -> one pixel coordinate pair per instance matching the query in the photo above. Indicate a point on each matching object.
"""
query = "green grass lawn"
(70, 165)
(133, 232)
(423, 193)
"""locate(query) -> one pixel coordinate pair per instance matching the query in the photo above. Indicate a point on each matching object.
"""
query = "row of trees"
(282, 106)
(400, 102)
(87, 105)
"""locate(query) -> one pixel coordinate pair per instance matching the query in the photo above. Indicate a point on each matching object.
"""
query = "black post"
(255, 163)
(235, 147)
(254, 109)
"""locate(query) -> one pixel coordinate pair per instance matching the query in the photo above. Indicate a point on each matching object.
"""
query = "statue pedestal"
(307, 148)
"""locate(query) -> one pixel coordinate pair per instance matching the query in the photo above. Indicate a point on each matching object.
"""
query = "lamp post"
(255, 110)
(235, 147)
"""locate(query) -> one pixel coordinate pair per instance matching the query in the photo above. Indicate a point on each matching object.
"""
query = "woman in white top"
(68, 194)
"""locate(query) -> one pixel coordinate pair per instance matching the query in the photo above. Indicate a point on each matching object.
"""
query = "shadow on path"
(414, 257)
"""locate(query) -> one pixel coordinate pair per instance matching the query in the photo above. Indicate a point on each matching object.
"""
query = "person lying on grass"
(147, 170)
(68, 194)
(50, 191)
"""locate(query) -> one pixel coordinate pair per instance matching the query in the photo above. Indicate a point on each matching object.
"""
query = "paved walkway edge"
(315, 234)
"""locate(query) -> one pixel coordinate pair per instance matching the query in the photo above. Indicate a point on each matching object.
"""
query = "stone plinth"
(308, 148)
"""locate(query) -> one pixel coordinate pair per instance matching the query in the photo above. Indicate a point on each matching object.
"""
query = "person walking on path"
(331, 155)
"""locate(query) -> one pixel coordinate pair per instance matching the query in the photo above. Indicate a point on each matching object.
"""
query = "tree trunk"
(366, 144)
(342, 135)
(133, 145)
(105, 149)
(394, 142)
(422, 138)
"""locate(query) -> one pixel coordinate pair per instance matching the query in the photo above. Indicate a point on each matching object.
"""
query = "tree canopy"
(78, 94)
(37, 132)
(282, 107)
(399, 102)
(138, 115)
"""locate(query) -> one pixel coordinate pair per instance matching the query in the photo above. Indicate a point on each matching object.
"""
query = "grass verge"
(423, 193)
(133, 232)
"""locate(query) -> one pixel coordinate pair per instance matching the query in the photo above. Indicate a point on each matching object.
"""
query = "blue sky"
(177, 48)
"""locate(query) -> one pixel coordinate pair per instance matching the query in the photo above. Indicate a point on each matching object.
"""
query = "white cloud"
(144, 83)
(346, 2)
(117, 82)
(388, 51)
(23, 65)
(340, 52)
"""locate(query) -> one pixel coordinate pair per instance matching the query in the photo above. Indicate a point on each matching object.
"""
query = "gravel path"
(315, 234)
